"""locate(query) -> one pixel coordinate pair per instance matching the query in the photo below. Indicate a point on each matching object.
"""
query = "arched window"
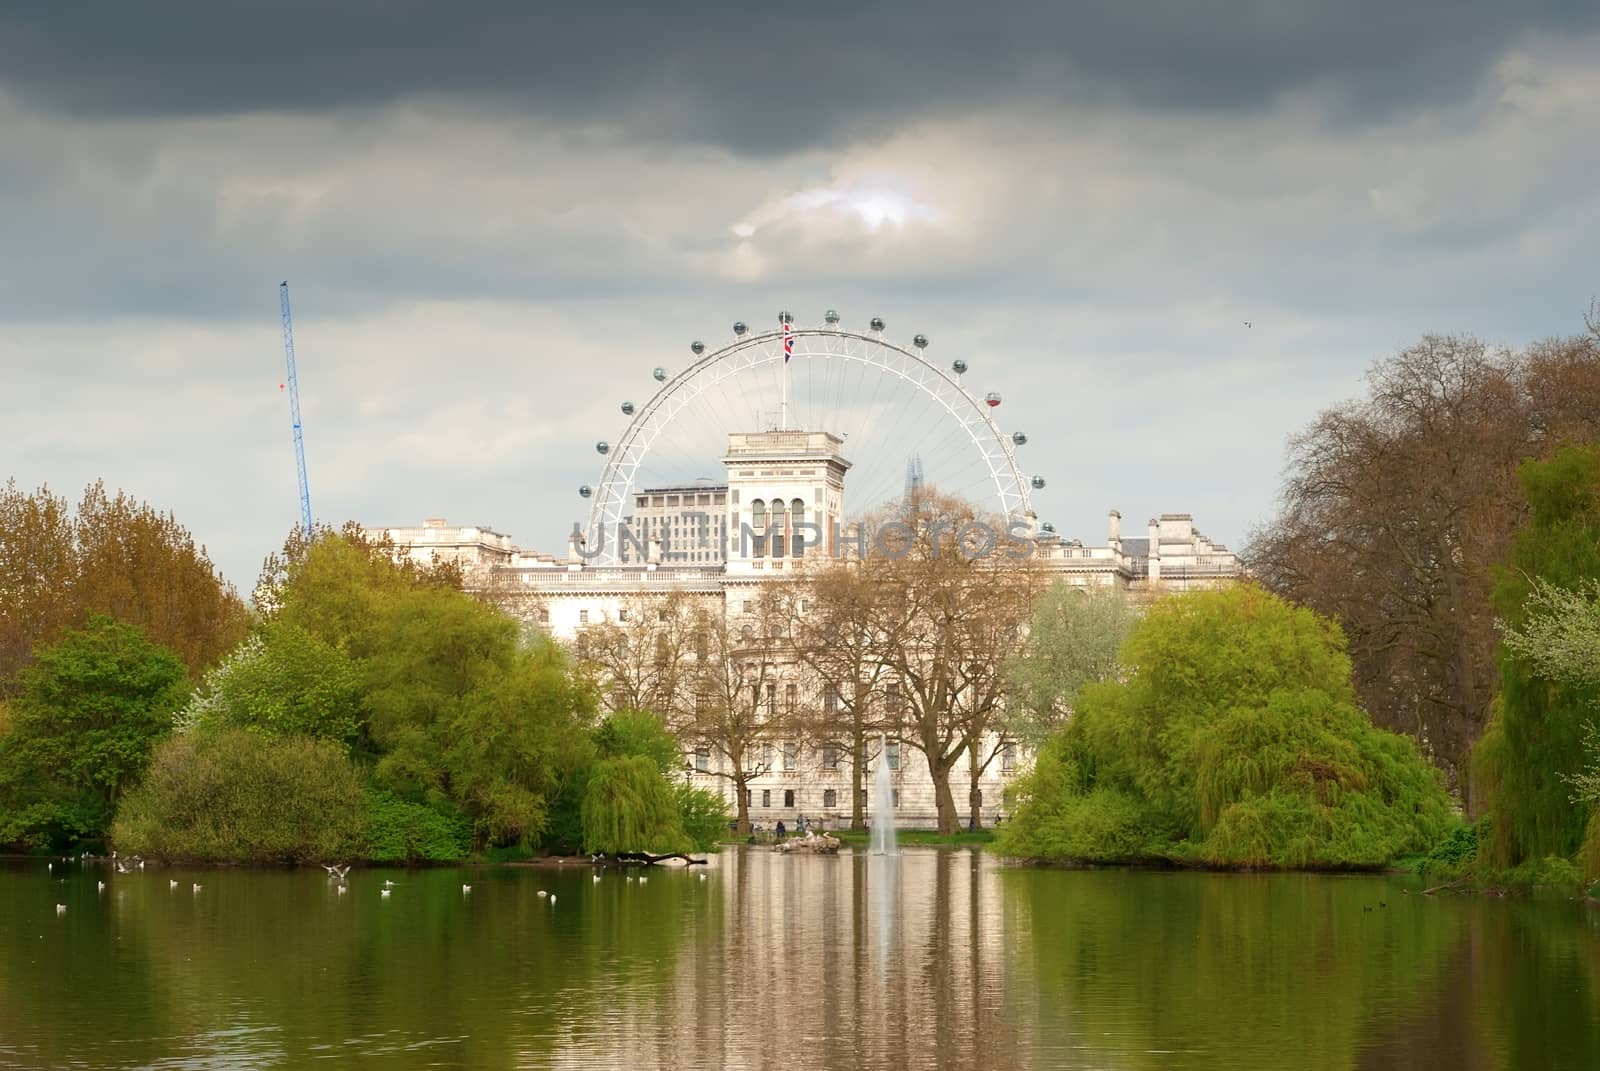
(758, 525)
(797, 516)
(777, 528)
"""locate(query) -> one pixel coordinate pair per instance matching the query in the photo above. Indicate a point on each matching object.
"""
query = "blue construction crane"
(294, 409)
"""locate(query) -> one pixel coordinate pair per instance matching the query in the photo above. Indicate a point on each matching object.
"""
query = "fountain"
(882, 808)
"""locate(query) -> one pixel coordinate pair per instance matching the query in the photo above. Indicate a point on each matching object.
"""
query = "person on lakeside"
(779, 830)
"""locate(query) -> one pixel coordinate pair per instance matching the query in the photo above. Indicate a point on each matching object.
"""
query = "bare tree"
(643, 653)
(737, 708)
(1397, 508)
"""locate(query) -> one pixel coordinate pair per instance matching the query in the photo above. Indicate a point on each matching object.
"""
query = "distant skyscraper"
(914, 479)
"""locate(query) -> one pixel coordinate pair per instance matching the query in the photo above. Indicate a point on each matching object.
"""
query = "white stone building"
(781, 509)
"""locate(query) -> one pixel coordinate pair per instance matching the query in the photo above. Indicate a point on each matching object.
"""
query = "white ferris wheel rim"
(613, 496)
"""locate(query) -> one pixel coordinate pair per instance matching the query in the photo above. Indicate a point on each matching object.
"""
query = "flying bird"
(336, 870)
(1247, 323)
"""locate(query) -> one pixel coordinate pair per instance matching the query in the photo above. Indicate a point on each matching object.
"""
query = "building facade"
(715, 547)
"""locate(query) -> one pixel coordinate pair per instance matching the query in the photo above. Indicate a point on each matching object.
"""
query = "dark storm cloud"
(761, 81)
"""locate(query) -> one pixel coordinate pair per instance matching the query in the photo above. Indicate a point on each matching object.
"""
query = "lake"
(935, 958)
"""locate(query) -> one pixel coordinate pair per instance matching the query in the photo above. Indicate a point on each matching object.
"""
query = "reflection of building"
(780, 511)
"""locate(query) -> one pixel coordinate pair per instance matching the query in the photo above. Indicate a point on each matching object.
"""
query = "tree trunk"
(742, 803)
(858, 818)
(974, 793)
(948, 820)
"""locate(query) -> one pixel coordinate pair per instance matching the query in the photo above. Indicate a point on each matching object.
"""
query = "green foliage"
(1234, 741)
(1534, 754)
(630, 807)
(235, 796)
(398, 831)
(282, 680)
(639, 732)
(1072, 641)
(92, 707)
(703, 814)
(1455, 852)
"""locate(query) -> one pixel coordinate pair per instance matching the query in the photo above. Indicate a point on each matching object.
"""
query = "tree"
(1234, 739)
(838, 638)
(947, 597)
(91, 708)
(735, 709)
(1550, 686)
(629, 807)
(643, 654)
(1397, 507)
(1072, 641)
(117, 557)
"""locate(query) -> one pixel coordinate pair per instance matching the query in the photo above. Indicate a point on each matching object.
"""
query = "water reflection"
(926, 959)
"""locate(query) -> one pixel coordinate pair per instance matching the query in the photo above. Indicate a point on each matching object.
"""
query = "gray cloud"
(762, 82)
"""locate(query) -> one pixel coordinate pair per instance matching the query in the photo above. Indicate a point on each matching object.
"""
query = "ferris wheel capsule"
(831, 316)
(602, 447)
(921, 342)
(739, 327)
(697, 347)
(627, 408)
(1019, 438)
(585, 491)
(1038, 483)
(991, 399)
(959, 367)
(1047, 528)
(785, 318)
(660, 374)
(877, 323)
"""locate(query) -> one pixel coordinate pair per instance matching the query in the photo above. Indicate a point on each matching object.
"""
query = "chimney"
(1116, 531)
(1155, 551)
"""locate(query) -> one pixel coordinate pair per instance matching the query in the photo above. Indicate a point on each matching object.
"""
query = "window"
(797, 515)
(766, 797)
(789, 696)
(1008, 759)
(745, 606)
(758, 515)
(583, 617)
(747, 633)
(830, 699)
(701, 645)
(622, 615)
(802, 606)
(749, 798)
(661, 614)
(663, 652)
(766, 755)
(830, 756)
(788, 797)
(863, 797)
(702, 759)
(772, 698)
(892, 697)
(891, 754)
(896, 796)
(788, 755)
(830, 798)
(544, 617)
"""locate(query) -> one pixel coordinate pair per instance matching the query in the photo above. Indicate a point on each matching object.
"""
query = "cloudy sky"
(496, 221)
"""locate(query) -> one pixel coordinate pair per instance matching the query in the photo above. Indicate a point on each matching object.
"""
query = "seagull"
(336, 870)
(643, 879)
(344, 889)
(630, 877)
(196, 887)
(1247, 323)
(702, 877)
(465, 887)
(385, 894)
(387, 884)
(597, 879)
(50, 867)
(552, 901)
(61, 909)
(100, 887)
(543, 893)
(173, 884)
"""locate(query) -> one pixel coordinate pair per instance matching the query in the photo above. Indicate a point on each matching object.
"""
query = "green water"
(932, 959)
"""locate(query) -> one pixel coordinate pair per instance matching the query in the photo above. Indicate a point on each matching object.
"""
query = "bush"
(237, 796)
(630, 807)
(704, 815)
(399, 831)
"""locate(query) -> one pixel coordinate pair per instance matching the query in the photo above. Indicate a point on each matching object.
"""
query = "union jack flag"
(788, 341)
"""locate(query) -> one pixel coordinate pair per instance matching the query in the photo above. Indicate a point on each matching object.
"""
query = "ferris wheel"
(902, 419)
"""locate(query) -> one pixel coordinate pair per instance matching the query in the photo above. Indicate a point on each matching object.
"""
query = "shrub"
(704, 815)
(238, 796)
(399, 831)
